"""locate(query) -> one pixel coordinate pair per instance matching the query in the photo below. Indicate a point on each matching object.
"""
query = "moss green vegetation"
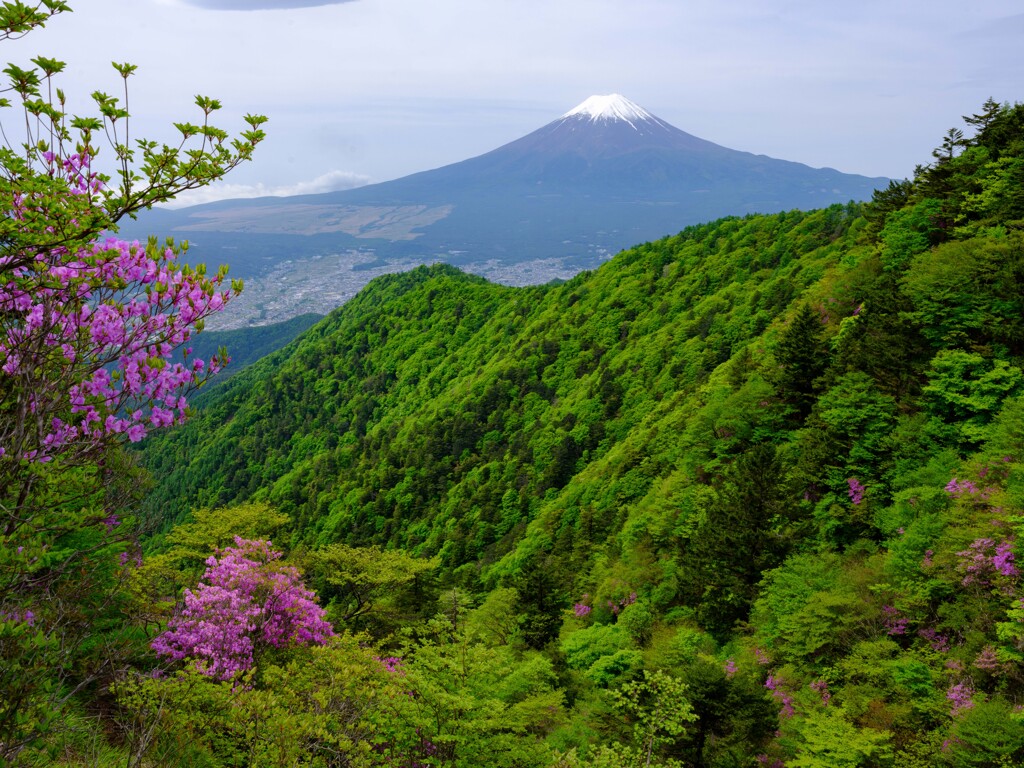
(746, 496)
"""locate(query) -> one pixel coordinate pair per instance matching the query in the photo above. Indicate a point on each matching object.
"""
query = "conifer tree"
(801, 358)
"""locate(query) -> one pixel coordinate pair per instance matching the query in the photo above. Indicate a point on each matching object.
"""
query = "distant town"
(322, 283)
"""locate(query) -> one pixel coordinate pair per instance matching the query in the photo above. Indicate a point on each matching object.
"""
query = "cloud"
(260, 5)
(333, 181)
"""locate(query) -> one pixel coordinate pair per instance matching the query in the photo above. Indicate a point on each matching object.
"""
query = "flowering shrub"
(246, 602)
(820, 687)
(730, 668)
(960, 697)
(65, 319)
(615, 606)
(88, 325)
(581, 610)
(957, 488)
(893, 621)
(856, 490)
(985, 560)
(938, 642)
(776, 685)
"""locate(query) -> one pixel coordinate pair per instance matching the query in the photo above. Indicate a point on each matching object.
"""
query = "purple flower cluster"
(938, 641)
(960, 696)
(89, 332)
(984, 559)
(19, 617)
(821, 688)
(582, 608)
(856, 490)
(393, 664)
(894, 622)
(785, 699)
(616, 606)
(247, 601)
(956, 489)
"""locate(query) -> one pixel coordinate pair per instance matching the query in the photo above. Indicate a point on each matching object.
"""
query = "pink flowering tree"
(247, 602)
(89, 329)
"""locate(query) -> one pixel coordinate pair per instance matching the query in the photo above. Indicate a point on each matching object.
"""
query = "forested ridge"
(748, 495)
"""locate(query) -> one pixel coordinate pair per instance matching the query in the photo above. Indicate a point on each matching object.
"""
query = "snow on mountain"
(610, 107)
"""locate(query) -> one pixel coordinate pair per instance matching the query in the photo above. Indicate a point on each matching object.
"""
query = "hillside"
(430, 378)
(776, 458)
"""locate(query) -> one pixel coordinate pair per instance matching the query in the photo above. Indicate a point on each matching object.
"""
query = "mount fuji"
(604, 176)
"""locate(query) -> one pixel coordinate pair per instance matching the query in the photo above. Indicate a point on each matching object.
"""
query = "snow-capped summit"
(611, 107)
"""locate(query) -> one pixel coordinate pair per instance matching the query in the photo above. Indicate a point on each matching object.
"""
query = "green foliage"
(965, 391)
(825, 738)
(801, 358)
(742, 534)
(907, 232)
(658, 708)
(471, 704)
(322, 707)
(584, 647)
(810, 610)
(368, 588)
(989, 733)
(735, 716)
(638, 622)
(967, 293)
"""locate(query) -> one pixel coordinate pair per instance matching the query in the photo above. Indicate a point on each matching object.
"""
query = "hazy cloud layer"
(334, 181)
(260, 5)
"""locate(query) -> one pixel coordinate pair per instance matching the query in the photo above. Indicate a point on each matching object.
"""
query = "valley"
(322, 283)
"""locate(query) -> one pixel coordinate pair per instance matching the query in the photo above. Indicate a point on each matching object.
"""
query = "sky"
(360, 91)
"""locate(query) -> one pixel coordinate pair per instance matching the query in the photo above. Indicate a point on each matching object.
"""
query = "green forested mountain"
(775, 459)
(465, 404)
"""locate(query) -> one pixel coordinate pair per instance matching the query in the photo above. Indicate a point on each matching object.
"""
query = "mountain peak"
(610, 107)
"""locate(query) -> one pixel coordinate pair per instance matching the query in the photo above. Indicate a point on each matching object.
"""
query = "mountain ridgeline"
(778, 457)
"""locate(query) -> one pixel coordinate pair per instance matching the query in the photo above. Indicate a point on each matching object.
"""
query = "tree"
(658, 709)
(825, 738)
(368, 586)
(469, 704)
(982, 120)
(801, 358)
(88, 326)
(247, 602)
(736, 716)
(742, 535)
